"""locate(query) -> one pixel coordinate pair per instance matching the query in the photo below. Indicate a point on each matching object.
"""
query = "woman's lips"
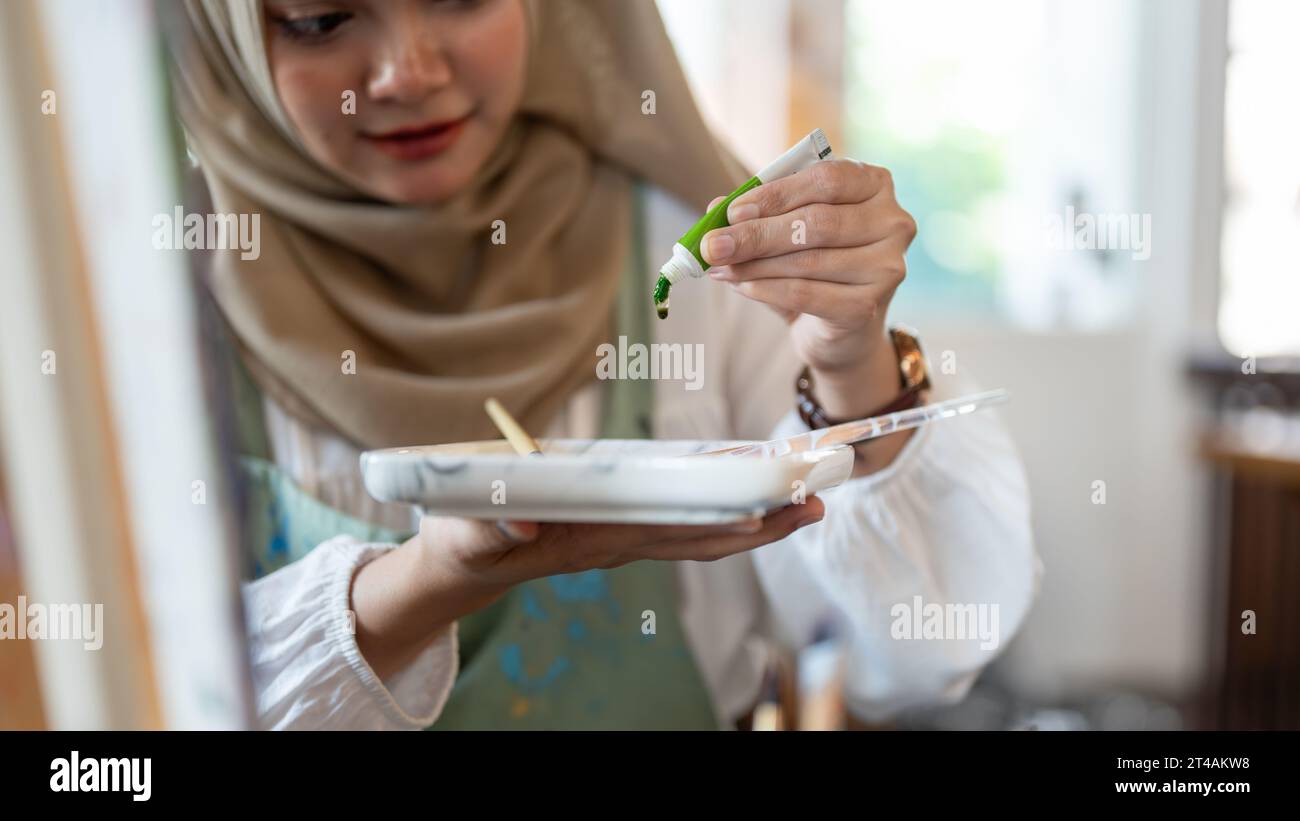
(419, 143)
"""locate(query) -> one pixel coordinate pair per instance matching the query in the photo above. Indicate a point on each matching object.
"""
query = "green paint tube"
(687, 260)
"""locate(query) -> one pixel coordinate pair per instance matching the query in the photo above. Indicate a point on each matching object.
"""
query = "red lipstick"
(418, 142)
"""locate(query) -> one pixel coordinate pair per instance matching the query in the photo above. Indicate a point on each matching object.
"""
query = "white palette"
(608, 480)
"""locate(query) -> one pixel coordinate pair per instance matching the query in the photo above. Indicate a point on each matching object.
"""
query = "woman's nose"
(413, 65)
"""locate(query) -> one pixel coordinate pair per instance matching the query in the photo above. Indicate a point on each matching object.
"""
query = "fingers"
(831, 181)
(571, 547)
(511, 549)
(816, 225)
(599, 537)
(882, 262)
(776, 526)
(849, 305)
(608, 545)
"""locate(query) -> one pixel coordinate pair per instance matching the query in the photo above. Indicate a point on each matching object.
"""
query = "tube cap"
(682, 265)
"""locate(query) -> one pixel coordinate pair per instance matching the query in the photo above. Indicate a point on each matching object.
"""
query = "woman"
(464, 198)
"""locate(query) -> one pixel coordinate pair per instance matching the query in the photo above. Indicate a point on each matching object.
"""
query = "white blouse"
(947, 521)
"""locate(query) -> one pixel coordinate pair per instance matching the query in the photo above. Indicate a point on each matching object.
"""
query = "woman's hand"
(452, 567)
(825, 249)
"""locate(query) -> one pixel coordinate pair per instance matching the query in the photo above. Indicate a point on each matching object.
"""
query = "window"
(1007, 127)
(1259, 296)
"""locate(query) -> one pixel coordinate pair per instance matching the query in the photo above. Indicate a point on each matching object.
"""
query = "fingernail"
(811, 520)
(720, 247)
(509, 530)
(740, 213)
(720, 272)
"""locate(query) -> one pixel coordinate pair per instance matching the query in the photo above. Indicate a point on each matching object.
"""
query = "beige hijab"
(437, 316)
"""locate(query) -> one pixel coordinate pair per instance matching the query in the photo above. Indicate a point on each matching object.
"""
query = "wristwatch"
(914, 378)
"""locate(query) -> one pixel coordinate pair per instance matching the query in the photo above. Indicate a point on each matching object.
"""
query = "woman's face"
(405, 99)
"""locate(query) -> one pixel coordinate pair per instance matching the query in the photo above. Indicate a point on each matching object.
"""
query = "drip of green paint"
(661, 296)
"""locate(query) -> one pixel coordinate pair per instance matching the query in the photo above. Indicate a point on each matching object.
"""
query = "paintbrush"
(514, 432)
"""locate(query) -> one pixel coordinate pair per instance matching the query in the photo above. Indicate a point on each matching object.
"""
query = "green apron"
(564, 652)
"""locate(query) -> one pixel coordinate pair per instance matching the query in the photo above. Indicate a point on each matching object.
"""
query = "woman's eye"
(312, 28)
